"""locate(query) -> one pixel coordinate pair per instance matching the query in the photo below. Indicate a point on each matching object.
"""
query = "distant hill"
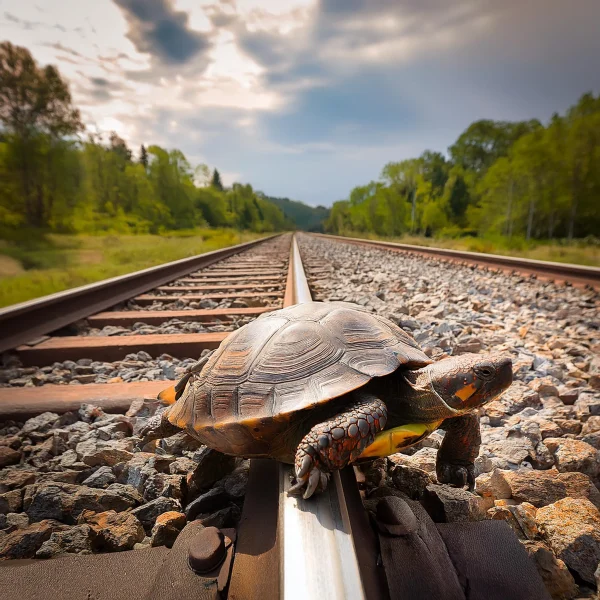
(305, 217)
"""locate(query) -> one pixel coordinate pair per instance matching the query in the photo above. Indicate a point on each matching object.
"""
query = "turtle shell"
(293, 359)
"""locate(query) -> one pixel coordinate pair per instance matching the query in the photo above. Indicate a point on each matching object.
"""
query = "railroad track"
(285, 547)
(569, 274)
(317, 554)
(192, 305)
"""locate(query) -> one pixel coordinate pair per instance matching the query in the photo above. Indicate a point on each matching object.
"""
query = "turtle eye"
(485, 371)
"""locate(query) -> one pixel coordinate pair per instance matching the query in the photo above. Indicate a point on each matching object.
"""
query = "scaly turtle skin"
(322, 385)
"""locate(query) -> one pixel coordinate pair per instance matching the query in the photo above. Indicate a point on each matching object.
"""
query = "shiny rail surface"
(318, 558)
(23, 322)
(575, 274)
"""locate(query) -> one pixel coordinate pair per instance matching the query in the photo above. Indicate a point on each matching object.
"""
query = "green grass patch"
(36, 265)
(579, 252)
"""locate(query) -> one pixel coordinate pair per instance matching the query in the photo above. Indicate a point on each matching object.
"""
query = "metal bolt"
(207, 550)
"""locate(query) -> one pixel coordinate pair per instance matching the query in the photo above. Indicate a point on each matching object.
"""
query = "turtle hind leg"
(459, 449)
(157, 427)
(336, 442)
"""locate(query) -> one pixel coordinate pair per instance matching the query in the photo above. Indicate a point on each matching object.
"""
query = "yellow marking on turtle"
(167, 396)
(466, 392)
(390, 441)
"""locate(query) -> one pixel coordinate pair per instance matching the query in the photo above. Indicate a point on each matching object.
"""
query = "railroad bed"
(153, 337)
(538, 466)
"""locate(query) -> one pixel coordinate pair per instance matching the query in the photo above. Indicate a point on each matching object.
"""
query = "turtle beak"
(505, 373)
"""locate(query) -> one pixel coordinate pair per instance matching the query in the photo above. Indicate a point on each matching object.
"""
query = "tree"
(483, 142)
(405, 176)
(33, 99)
(119, 147)
(216, 181)
(36, 112)
(143, 156)
(435, 169)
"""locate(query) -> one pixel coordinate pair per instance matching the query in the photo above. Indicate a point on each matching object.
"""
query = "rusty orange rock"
(571, 527)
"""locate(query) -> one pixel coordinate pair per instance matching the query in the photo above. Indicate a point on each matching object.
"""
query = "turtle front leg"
(459, 449)
(336, 442)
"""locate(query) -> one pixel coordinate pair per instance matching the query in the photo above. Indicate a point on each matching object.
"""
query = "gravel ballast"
(78, 482)
(539, 463)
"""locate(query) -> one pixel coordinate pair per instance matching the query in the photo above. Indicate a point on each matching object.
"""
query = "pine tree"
(143, 156)
(216, 181)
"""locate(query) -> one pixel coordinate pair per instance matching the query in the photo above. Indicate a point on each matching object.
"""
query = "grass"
(579, 252)
(36, 265)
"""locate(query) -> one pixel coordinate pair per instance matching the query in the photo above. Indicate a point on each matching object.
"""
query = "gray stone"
(453, 505)
(17, 520)
(411, 480)
(105, 456)
(208, 502)
(148, 512)
(8, 456)
(226, 517)
(41, 424)
(101, 478)
(211, 466)
(11, 502)
(556, 576)
(74, 540)
(162, 484)
(64, 502)
(11, 479)
(235, 483)
(126, 491)
(574, 455)
(182, 466)
(541, 488)
(24, 543)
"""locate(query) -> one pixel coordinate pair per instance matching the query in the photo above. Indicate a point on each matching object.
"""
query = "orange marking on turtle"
(466, 392)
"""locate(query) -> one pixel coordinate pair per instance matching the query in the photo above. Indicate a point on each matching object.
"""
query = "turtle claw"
(310, 482)
(456, 475)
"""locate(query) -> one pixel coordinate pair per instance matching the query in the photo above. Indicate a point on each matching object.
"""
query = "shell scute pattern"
(293, 359)
(298, 351)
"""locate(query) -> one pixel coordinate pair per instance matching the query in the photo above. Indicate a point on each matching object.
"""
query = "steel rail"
(579, 274)
(22, 323)
(303, 548)
(318, 556)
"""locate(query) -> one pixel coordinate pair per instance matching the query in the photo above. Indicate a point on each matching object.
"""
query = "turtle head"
(468, 381)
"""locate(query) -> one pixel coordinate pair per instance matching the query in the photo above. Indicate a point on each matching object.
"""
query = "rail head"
(318, 557)
(26, 321)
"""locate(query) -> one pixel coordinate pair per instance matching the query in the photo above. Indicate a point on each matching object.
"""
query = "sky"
(306, 98)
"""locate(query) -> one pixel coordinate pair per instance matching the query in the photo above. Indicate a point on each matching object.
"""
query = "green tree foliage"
(513, 179)
(50, 179)
(143, 156)
(216, 181)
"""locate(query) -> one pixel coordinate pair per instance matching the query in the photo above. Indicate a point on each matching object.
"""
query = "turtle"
(322, 385)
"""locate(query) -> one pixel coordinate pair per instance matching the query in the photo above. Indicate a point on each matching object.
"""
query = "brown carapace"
(322, 385)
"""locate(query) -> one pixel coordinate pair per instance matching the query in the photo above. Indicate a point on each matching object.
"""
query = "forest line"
(522, 180)
(52, 180)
